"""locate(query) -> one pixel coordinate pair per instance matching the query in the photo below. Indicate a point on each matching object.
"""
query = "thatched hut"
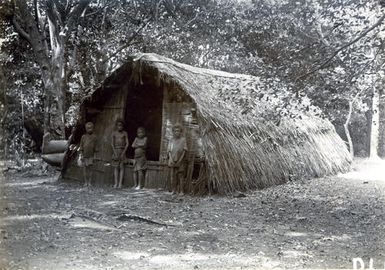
(229, 149)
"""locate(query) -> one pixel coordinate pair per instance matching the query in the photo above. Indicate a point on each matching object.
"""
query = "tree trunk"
(4, 113)
(59, 85)
(374, 134)
(368, 125)
(23, 146)
(381, 148)
(347, 132)
(51, 59)
(25, 24)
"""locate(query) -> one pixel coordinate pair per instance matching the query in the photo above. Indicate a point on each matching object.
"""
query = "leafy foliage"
(279, 41)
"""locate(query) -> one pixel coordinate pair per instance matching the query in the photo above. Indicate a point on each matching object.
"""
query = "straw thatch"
(243, 149)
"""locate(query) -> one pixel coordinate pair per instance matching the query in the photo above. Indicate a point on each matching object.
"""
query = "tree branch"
(61, 11)
(101, 8)
(20, 30)
(5, 115)
(35, 6)
(40, 20)
(193, 19)
(53, 19)
(128, 43)
(327, 61)
(68, 6)
(365, 67)
(76, 12)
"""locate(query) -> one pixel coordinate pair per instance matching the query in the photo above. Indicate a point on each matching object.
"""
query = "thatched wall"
(243, 150)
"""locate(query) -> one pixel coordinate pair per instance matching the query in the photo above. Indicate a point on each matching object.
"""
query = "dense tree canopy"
(55, 52)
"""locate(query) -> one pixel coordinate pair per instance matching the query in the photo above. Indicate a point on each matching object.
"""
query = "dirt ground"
(313, 224)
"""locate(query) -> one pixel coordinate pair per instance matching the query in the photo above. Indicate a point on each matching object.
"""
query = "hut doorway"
(144, 109)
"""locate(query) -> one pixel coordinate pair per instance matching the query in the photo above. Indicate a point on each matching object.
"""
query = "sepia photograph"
(192, 134)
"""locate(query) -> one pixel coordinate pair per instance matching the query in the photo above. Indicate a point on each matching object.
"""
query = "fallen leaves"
(320, 223)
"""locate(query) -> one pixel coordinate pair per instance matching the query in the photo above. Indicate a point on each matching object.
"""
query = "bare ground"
(314, 224)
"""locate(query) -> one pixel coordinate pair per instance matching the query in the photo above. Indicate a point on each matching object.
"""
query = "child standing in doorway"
(140, 161)
(177, 149)
(88, 149)
(119, 146)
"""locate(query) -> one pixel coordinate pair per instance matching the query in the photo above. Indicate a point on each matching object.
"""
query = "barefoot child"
(119, 146)
(88, 149)
(176, 152)
(140, 161)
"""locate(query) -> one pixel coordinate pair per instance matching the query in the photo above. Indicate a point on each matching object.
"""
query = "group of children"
(176, 155)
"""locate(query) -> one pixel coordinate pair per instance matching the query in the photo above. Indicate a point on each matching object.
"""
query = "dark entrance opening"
(144, 109)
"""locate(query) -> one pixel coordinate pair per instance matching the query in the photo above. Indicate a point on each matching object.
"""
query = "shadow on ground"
(320, 223)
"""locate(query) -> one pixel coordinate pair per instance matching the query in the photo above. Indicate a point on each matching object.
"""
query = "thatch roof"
(244, 149)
